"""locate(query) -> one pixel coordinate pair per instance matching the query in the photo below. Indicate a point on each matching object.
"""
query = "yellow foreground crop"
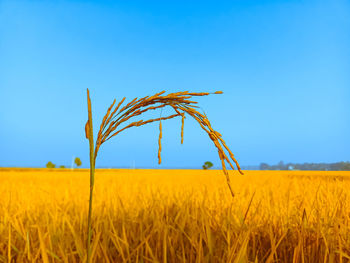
(175, 216)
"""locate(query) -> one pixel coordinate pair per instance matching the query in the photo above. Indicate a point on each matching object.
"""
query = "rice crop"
(113, 122)
(175, 216)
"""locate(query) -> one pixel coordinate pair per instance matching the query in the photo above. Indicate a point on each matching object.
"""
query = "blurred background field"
(175, 216)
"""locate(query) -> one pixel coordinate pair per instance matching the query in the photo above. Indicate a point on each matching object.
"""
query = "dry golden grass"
(175, 216)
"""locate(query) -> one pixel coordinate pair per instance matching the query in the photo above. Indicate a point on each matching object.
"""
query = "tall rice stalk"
(114, 120)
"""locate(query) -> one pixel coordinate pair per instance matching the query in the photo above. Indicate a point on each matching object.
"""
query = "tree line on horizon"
(339, 166)
(77, 162)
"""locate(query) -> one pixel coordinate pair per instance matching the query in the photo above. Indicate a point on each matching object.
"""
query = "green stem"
(92, 175)
(92, 178)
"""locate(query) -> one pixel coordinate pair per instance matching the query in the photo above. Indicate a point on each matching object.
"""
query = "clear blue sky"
(284, 67)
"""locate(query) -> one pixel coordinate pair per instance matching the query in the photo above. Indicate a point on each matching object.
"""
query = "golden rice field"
(175, 216)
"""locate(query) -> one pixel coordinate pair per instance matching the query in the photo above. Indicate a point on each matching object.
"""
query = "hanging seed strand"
(182, 127)
(160, 143)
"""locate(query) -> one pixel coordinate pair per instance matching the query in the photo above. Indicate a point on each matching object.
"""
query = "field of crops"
(175, 216)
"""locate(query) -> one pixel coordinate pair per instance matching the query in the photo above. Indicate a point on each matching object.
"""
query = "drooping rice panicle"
(116, 121)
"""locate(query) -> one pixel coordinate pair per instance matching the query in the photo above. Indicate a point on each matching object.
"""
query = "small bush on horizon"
(50, 165)
(77, 161)
(207, 165)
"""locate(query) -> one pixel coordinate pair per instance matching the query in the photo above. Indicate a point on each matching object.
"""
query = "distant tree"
(281, 166)
(342, 166)
(77, 161)
(346, 166)
(50, 165)
(62, 166)
(264, 166)
(207, 165)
